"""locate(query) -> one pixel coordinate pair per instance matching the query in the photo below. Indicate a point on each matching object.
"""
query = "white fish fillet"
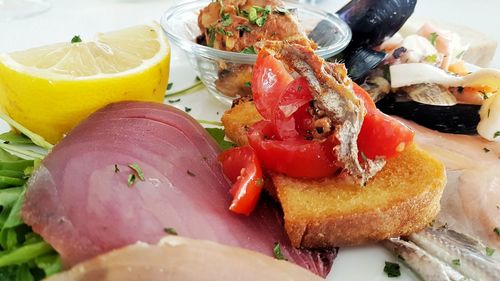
(471, 200)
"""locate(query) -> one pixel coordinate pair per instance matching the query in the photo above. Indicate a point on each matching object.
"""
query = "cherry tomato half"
(242, 167)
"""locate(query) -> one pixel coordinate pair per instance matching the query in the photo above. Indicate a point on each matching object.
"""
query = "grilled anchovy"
(469, 254)
(333, 95)
(427, 266)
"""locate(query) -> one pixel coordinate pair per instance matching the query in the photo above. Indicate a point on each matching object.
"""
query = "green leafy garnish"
(278, 254)
(187, 109)
(489, 251)
(218, 135)
(116, 168)
(131, 179)
(252, 14)
(226, 20)
(496, 135)
(392, 269)
(243, 28)
(249, 50)
(431, 58)
(486, 149)
(170, 230)
(455, 262)
(247, 84)
(432, 38)
(23, 254)
(137, 170)
(36, 139)
(190, 173)
(169, 86)
(497, 231)
(211, 36)
(76, 39)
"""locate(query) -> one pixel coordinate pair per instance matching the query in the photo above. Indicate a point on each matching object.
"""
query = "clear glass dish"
(180, 23)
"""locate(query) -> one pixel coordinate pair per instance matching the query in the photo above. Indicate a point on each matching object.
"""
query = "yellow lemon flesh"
(51, 89)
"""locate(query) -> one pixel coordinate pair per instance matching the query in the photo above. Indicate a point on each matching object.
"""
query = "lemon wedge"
(51, 89)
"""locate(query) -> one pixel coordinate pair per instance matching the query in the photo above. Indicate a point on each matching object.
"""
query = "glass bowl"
(180, 23)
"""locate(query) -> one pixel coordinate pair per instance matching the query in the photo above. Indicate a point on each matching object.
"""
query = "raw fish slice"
(471, 200)
(182, 259)
(84, 205)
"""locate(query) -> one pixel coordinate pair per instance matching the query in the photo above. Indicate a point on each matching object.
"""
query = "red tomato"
(291, 117)
(269, 80)
(295, 157)
(242, 167)
(381, 135)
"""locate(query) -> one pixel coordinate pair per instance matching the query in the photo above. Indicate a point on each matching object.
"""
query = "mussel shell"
(456, 119)
(372, 21)
(361, 61)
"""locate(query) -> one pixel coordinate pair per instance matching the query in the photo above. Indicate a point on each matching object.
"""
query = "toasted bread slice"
(401, 199)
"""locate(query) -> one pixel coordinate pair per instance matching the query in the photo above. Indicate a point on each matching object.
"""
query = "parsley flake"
(248, 84)
(278, 254)
(190, 173)
(131, 179)
(116, 168)
(137, 170)
(187, 109)
(497, 231)
(486, 150)
(226, 20)
(169, 86)
(392, 269)
(249, 50)
(170, 230)
(496, 135)
(174, 101)
(76, 39)
(243, 28)
(433, 37)
(489, 251)
(455, 262)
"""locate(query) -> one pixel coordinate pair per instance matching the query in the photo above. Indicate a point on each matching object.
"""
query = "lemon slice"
(50, 89)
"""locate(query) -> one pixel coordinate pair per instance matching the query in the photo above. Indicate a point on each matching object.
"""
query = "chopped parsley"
(489, 251)
(76, 39)
(224, 32)
(187, 109)
(211, 36)
(392, 269)
(218, 135)
(249, 50)
(257, 15)
(431, 58)
(169, 86)
(243, 28)
(248, 84)
(486, 150)
(432, 38)
(278, 254)
(496, 135)
(137, 170)
(170, 230)
(497, 231)
(174, 101)
(261, 21)
(190, 173)
(131, 179)
(116, 168)
(226, 20)
(455, 262)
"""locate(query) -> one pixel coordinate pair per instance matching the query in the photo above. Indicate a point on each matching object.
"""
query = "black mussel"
(372, 21)
(361, 61)
(456, 119)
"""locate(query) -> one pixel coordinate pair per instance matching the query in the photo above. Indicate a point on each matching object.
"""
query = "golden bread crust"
(401, 199)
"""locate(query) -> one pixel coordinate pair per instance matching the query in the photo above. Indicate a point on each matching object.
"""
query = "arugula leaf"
(218, 135)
